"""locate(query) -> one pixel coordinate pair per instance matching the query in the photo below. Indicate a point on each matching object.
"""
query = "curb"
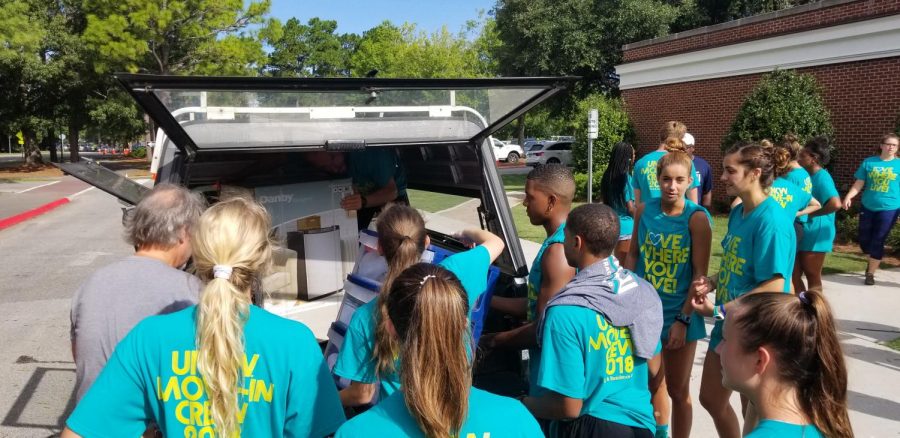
(22, 217)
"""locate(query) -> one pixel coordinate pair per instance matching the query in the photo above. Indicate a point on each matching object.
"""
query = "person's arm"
(702, 286)
(692, 194)
(633, 250)
(556, 274)
(518, 338)
(493, 243)
(67, 433)
(357, 394)
(701, 241)
(637, 196)
(516, 307)
(553, 406)
(707, 200)
(854, 190)
(379, 197)
(811, 206)
(631, 206)
(832, 205)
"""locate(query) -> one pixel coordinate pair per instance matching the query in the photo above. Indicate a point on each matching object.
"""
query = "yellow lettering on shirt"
(617, 343)
(781, 196)
(186, 386)
(662, 253)
(881, 178)
(731, 265)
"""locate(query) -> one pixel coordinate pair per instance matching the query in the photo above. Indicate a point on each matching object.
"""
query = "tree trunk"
(73, 143)
(48, 144)
(32, 152)
(520, 130)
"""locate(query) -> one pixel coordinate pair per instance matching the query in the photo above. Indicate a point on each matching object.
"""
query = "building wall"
(863, 98)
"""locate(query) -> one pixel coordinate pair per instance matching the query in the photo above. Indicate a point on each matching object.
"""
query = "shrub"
(139, 153)
(847, 226)
(581, 184)
(613, 127)
(783, 102)
(893, 240)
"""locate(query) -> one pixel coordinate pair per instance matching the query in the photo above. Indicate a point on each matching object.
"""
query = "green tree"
(576, 37)
(176, 36)
(29, 73)
(613, 126)
(720, 11)
(404, 51)
(783, 102)
(310, 50)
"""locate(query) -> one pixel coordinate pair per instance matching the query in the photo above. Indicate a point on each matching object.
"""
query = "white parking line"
(37, 187)
(85, 190)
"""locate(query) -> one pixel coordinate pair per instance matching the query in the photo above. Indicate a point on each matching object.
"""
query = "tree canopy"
(58, 55)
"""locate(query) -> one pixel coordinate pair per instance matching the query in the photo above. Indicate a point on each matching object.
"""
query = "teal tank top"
(665, 252)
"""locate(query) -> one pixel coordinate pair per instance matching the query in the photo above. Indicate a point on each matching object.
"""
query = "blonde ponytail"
(401, 236)
(232, 236)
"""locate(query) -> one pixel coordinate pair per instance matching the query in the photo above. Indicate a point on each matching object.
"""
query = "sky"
(357, 16)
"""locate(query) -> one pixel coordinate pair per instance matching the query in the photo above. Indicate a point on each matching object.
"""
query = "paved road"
(43, 262)
(46, 258)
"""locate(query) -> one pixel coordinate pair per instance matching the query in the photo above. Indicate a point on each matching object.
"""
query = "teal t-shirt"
(489, 415)
(535, 277)
(780, 429)
(790, 197)
(800, 178)
(626, 222)
(819, 231)
(356, 360)
(372, 168)
(755, 249)
(585, 357)
(882, 189)
(645, 176)
(666, 262)
(152, 377)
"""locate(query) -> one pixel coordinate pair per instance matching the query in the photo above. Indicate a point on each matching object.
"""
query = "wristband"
(684, 319)
(719, 312)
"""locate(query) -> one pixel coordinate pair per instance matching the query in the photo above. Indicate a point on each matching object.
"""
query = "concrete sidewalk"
(867, 316)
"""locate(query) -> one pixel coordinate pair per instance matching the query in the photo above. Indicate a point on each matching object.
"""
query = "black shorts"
(587, 426)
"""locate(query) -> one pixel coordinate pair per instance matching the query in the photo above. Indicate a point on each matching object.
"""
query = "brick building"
(702, 76)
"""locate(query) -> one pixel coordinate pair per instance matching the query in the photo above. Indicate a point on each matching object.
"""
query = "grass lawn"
(432, 202)
(895, 344)
(513, 183)
(834, 263)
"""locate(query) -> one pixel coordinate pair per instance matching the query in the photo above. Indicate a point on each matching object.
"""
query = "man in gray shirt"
(116, 297)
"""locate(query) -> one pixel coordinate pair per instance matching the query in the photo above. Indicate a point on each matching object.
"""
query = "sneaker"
(870, 279)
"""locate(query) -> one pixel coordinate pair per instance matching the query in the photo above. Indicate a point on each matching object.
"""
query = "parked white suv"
(549, 152)
(506, 151)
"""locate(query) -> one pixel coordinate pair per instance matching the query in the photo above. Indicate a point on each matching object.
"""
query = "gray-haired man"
(116, 297)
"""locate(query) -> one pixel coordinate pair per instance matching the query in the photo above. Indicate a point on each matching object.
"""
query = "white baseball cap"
(688, 139)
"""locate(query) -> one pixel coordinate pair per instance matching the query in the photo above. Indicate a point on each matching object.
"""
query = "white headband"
(222, 271)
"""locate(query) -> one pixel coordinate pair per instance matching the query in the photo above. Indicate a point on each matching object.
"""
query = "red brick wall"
(814, 18)
(863, 98)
